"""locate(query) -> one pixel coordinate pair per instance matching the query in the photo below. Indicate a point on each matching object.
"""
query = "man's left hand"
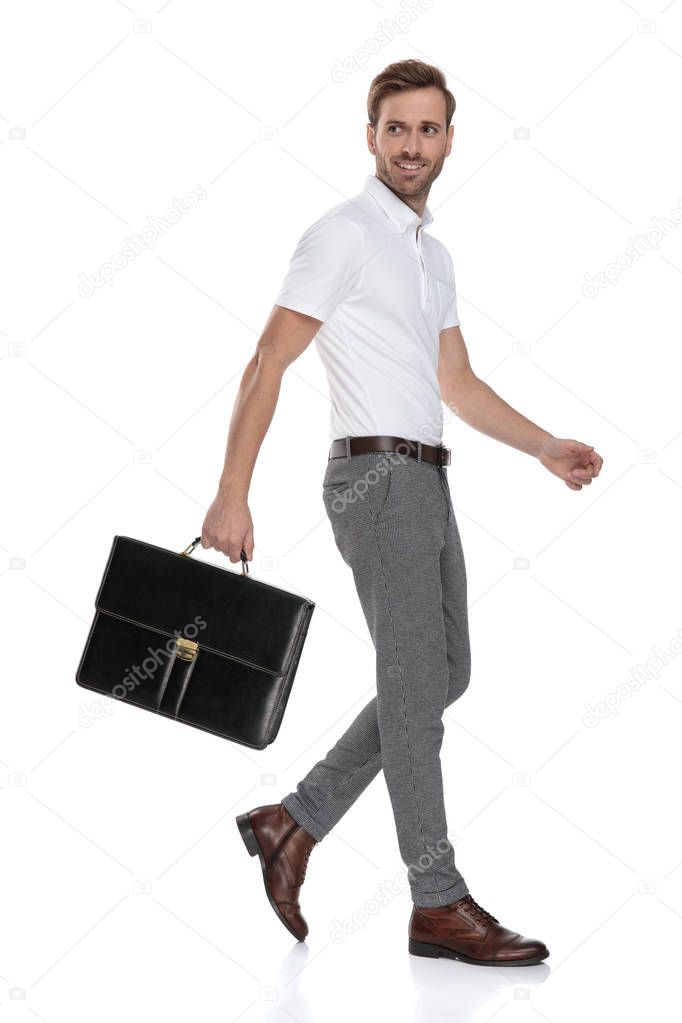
(575, 463)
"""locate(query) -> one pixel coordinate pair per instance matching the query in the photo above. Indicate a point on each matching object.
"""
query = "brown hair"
(407, 74)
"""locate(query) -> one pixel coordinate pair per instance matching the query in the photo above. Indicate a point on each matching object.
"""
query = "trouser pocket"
(380, 483)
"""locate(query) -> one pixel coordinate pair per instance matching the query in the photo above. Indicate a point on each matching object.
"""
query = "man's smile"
(409, 167)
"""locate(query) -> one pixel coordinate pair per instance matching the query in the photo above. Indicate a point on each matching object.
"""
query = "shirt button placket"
(424, 275)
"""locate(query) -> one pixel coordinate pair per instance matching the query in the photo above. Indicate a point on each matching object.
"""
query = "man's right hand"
(228, 527)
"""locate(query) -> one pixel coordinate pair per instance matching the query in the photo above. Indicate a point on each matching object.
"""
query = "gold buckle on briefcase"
(186, 649)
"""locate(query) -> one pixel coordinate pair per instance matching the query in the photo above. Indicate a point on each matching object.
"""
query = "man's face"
(411, 129)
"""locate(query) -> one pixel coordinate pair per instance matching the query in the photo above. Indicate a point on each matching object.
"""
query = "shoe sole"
(253, 847)
(424, 948)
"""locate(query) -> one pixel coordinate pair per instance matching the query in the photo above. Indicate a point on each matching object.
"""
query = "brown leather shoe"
(464, 930)
(283, 848)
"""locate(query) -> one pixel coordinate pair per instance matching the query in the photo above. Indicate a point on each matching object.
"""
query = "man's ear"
(370, 139)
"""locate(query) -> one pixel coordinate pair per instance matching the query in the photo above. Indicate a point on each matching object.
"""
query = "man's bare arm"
(228, 525)
(479, 406)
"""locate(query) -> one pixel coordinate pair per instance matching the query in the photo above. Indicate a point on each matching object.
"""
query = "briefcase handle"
(190, 547)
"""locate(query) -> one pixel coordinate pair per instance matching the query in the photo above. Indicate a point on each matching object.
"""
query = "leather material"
(284, 848)
(473, 934)
(250, 636)
(437, 454)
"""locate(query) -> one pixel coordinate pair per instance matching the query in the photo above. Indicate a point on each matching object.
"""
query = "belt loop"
(419, 451)
(348, 448)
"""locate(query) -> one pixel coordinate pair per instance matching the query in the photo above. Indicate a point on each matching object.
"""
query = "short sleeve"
(450, 316)
(324, 268)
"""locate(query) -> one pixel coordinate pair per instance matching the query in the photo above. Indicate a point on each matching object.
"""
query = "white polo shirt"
(384, 290)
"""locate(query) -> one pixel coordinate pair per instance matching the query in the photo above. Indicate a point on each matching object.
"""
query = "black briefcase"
(204, 645)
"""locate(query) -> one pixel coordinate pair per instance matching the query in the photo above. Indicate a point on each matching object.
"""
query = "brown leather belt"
(342, 447)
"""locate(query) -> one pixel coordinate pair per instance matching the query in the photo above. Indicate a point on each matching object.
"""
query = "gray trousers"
(394, 525)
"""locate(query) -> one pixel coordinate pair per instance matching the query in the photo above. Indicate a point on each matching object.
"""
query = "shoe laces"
(306, 857)
(479, 910)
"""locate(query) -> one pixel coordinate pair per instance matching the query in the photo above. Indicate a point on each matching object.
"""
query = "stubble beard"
(404, 188)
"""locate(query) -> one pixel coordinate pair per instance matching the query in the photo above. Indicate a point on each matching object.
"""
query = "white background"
(126, 889)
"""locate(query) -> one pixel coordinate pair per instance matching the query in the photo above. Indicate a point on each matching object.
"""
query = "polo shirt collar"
(398, 211)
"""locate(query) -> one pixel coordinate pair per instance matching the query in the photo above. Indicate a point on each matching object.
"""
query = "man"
(378, 294)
